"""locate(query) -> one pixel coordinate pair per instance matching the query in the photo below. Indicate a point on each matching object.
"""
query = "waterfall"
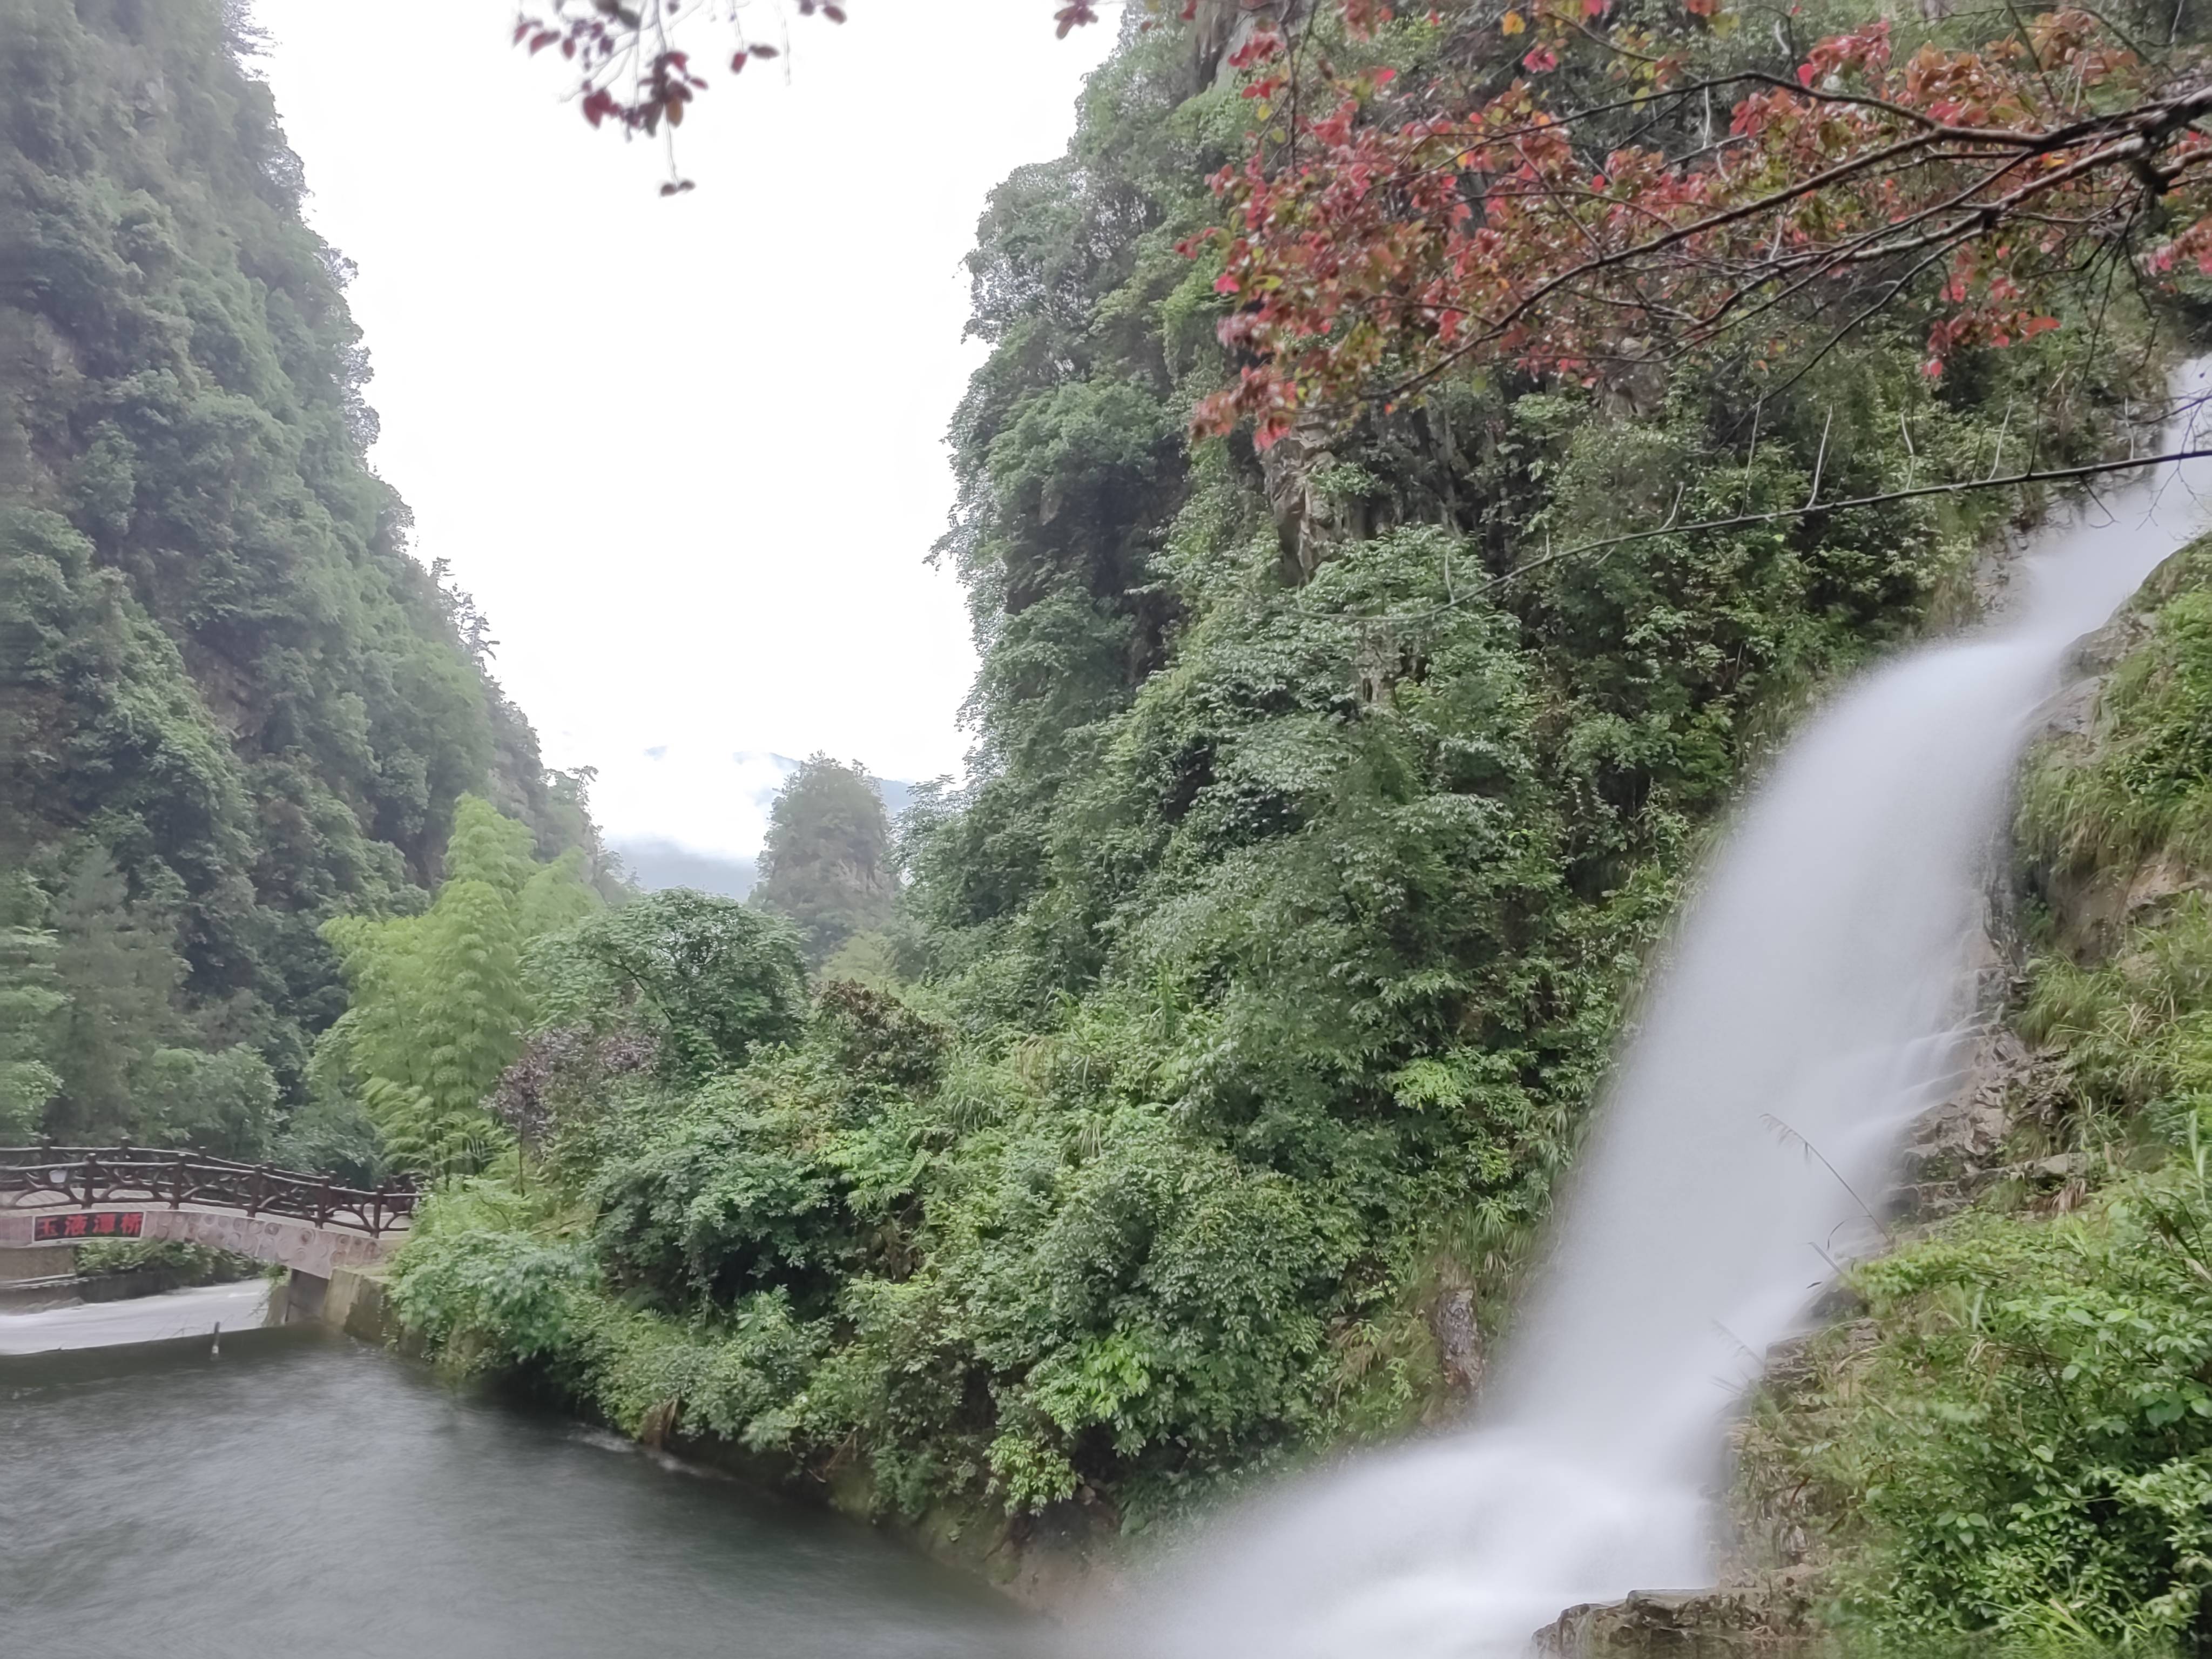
(1809, 1008)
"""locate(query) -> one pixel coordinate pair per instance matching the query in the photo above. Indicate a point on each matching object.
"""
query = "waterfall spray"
(1808, 1012)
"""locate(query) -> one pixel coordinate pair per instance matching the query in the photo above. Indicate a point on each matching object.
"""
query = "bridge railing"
(48, 1177)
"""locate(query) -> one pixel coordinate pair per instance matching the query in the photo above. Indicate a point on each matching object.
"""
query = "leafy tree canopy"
(705, 976)
(1242, 1009)
(438, 1006)
(827, 861)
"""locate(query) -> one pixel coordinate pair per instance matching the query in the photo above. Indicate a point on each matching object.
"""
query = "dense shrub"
(2029, 1445)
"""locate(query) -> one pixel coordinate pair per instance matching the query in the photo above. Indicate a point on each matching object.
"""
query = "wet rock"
(1958, 1147)
(1772, 1619)
(1310, 517)
(2054, 1170)
(1459, 1342)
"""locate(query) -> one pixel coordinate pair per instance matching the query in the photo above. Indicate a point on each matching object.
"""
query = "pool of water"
(297, 1493)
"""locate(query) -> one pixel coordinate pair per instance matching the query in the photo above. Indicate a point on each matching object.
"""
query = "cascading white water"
(1808, 1012)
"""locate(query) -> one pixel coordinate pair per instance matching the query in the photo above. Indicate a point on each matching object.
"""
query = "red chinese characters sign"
(108, 1223)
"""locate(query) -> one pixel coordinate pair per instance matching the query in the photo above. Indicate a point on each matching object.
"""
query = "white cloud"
(718, 798)
(684, 453)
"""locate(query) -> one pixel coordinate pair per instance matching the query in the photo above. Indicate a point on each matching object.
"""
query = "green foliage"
(870, 960)
(1107, 1290)
(224, 1101)
(332, 1131)
(705, 976)
(1257, 986)
(826, 863)
(494, 1286)
(162, 1263)
(2136, 1028)
(231, 705)
(2028, 1450)
(490, 1297)
(2142, 780)
(119, 967)
(439, 1004)
(2113, 827)
(31, 999)
(739, 1192)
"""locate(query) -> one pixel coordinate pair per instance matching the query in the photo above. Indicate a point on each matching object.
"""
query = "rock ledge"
(1771, 1620)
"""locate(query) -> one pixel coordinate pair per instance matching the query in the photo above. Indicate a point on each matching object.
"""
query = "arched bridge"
(312, 1223)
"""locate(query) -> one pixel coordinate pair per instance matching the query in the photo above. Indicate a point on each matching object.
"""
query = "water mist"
(1807, 1010)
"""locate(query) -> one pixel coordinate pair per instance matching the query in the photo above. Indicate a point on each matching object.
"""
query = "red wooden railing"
(47, 1176)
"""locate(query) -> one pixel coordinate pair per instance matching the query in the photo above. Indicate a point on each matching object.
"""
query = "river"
(296, 1493)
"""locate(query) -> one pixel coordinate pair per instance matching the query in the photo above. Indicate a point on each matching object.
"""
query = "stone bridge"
(54, 1197)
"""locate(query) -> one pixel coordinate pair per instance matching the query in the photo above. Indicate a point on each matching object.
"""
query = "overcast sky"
(688, 454)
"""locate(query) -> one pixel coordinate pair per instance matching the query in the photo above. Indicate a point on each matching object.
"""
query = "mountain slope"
(231, 703)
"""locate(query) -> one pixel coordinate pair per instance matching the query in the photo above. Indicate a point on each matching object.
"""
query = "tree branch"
(1737, 521)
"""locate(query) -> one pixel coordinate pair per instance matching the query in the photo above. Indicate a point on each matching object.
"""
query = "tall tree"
(827, 861)
(438, 1007)
(224, 1101)
(703, 976)
(119, 967)
(31, 1002)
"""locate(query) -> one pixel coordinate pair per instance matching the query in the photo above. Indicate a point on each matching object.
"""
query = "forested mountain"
(827, 861)
(232, 706)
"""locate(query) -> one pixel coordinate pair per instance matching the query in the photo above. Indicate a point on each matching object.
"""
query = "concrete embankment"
(34, 1263)
(73, 1323)
(352, 1300)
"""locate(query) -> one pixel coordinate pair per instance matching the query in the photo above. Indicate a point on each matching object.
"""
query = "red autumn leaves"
(1375, 240)
(1371, 251)
(633, 72)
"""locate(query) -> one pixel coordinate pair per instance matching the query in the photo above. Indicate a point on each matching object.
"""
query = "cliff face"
(231, 704)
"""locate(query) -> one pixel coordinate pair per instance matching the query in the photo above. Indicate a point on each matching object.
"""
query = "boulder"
(1772, 1619)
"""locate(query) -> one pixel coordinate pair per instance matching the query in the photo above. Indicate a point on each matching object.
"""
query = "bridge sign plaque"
(108, 1223)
